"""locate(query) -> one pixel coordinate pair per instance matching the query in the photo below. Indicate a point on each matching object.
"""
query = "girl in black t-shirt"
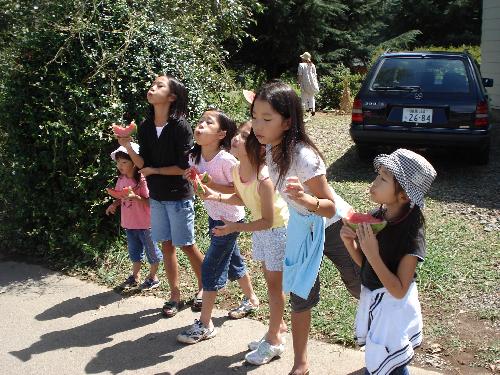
(389, 319)
(165, 138)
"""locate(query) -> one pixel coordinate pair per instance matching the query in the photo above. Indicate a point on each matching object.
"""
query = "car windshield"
(426, 74)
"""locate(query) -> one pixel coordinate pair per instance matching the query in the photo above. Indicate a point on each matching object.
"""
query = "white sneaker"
(264, 353)
(196, 333)
(253, 345)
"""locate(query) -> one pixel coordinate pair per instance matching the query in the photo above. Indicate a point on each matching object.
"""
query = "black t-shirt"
(396, 240)
(170, 149)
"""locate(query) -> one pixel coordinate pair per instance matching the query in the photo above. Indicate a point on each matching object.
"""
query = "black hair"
(284, 100)
(225, 124)
(124, 155)
(179, 107)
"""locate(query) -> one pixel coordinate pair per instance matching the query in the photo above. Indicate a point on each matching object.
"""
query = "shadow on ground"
(153, 349)
(458, 179)
(77, 305)
(20, 279)
(361, 371)
(95, 332)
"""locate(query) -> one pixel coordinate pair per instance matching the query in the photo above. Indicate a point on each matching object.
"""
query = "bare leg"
(153, 270)
(171, 269)
(274, 280)
(196, 259)
(207, 307)
(246, 286)
(301, 323)
(136, 269)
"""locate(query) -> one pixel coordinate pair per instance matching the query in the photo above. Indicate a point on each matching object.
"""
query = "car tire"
(365, 152)
(481, 155)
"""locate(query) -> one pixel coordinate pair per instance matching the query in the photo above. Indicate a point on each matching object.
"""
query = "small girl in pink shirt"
(135, 219)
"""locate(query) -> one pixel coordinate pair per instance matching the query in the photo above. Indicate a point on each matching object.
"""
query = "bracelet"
(220, 199)
(317, 206)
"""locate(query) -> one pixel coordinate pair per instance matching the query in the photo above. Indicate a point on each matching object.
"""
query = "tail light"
(481, 118)
(357, 111)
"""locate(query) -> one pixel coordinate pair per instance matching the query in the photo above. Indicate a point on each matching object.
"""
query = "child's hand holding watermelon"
(198, 180)
(353, 219)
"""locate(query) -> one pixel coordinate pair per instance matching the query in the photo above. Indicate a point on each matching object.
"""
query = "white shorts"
(268, 246)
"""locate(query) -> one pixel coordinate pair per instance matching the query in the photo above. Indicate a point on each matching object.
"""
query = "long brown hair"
(284, 100)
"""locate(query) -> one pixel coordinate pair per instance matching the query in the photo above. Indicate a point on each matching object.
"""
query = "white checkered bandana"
(413, 172)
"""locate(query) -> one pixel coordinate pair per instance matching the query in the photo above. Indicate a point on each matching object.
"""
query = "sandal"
(171, 308)
(196, 303)
(245, 308)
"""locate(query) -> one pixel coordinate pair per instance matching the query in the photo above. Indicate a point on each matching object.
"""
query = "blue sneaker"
(149, 284)
(129, 283)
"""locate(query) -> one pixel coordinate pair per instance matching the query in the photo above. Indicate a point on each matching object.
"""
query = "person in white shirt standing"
(308, 81)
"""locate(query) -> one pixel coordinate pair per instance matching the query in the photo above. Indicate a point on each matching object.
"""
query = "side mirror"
(488, 82)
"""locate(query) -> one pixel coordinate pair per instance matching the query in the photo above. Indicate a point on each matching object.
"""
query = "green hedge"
(70, 70)
(332, 86)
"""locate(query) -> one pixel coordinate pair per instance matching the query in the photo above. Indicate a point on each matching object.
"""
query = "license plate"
(417, 115)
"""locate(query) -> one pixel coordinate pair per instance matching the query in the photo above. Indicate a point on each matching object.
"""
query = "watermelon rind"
(204, 178)
(376, 227)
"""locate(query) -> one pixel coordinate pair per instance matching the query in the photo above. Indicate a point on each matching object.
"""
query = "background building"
(490, 49)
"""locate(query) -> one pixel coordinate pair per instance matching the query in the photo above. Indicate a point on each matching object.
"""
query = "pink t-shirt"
(219, 168)
(134, 214)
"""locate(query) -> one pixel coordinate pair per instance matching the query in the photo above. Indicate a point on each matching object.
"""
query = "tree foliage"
(69, 70)
(343, 31)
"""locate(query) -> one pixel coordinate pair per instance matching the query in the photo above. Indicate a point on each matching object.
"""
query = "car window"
(430, 74)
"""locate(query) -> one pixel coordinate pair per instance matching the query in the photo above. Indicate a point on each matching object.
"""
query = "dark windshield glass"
(430, 74)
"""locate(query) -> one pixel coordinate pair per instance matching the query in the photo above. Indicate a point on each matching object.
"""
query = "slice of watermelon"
(355, 218)
(204, 177)
(198, 186)
(198, 179)
(119, 194)
(126, 131)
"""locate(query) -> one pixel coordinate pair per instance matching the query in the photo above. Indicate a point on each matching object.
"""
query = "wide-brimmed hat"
(413, 172)
(135, 147)
(306, 56)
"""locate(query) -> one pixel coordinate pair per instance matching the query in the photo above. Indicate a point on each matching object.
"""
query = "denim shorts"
(338, 254)
(222, 261)
(173, 221)
(139, 242)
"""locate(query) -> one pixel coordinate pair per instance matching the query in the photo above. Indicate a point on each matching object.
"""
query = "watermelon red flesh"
(197, 179)
(126, 131)
(355, 218)
(118, 194)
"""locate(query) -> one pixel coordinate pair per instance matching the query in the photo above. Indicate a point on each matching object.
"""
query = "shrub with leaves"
(332, 85)
(72, 68)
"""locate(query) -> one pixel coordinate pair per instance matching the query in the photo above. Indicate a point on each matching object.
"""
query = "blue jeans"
(222, 260)
(173, 221)
(403, 370)
(139, 242)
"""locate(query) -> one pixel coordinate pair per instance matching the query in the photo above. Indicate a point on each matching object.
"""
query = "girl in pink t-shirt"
(222, 260)
(135, 219)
